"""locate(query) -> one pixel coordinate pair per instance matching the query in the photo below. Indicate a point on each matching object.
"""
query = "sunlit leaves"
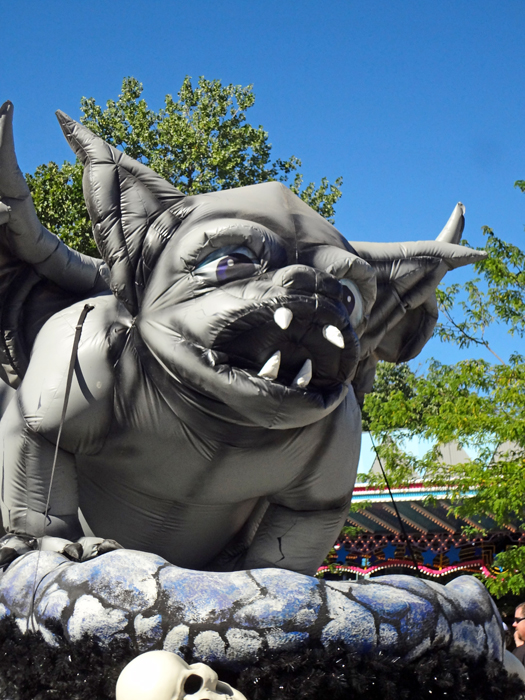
(508, 572)
(200, 142)
(323, 198)
(473, 402)
(498, 297)
(57, 195)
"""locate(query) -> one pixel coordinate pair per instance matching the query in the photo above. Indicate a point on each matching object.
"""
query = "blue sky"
(417, 104)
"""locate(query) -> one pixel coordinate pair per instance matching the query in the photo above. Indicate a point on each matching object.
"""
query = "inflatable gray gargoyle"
(213, 417)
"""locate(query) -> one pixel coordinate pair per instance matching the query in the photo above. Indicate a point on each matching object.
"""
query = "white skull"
(161, 675)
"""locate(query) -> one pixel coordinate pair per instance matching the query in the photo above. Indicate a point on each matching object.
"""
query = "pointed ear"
(133, 210)
(405, 312)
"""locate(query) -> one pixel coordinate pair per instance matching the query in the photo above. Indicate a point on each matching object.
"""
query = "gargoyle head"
(251, 298)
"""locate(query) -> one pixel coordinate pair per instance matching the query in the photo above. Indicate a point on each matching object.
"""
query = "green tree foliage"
(472, 402)
(510, 577)
(59, 203)
(501, 300)
(200, 142)
(392, 382)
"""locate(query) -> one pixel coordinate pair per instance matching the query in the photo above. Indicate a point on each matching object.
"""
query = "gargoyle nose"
(308, 280)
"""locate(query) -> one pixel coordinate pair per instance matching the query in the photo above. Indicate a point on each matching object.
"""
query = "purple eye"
(234, 266)
(353, 301)
(228, 264)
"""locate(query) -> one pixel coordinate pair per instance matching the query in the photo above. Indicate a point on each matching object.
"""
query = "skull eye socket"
(192, 684)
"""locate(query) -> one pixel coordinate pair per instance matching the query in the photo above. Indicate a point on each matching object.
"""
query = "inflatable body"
(214, 414)
(195, 395)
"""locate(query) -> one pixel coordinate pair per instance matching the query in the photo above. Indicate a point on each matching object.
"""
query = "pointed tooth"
(283, 317)
(334, 336)
(304, 375)
(270, 369)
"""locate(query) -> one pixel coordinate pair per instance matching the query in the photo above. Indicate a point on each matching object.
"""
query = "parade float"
(181, 448)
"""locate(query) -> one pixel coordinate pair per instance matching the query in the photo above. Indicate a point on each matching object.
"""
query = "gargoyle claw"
(73, 551)
(13, 546)
(95, 546)
(82, 550)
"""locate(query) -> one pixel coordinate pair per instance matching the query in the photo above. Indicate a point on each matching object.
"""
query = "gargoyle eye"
(353, 301)
(228, 264)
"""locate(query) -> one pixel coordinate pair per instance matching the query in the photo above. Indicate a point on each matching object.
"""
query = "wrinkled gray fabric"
(172, 441)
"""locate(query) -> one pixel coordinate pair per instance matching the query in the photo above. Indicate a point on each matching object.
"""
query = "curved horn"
(12, 182)
(454, 226)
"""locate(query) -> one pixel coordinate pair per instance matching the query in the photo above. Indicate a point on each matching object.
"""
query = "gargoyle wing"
(39, 274)
(405, 312)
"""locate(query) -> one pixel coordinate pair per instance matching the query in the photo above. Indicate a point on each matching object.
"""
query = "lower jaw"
(251, 400)
(265, 403)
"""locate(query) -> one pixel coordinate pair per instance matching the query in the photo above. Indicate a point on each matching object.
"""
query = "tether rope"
(69, 381)
(403, 531)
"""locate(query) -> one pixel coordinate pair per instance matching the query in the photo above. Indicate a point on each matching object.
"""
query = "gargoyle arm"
(295, 540)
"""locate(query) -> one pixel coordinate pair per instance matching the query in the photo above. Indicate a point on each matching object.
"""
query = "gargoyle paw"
(83, 549)
(13, 546)
(95, 546)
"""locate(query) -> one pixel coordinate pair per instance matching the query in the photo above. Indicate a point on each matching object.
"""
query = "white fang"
(283, 317)
(334, 336)
(270, 369)
(304, 375)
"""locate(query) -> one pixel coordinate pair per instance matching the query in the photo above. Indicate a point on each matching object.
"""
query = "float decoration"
(161, 675)
(229, 618)
(213, 416)
(202, 406)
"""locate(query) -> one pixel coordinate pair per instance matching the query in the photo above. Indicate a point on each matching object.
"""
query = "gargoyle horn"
(454, 227)
(12, 182)
(408, 274)
(133, 210)
(445, 248)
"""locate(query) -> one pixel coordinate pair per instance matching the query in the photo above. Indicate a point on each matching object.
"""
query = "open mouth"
(282, 362)
(297, 344)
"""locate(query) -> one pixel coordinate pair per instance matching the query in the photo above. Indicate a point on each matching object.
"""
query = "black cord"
(403, 531)
(74, 350)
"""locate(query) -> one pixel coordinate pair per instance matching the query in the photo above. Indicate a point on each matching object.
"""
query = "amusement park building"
(442, 545)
